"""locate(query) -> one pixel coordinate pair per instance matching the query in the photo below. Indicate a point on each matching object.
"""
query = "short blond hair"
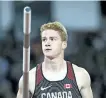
(57, 26)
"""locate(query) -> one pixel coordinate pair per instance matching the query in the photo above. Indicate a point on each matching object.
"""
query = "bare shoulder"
(32, 71)
(80, 70)
(32, 75)
(83, 74)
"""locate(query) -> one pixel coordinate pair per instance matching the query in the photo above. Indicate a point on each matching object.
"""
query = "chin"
(49, 57)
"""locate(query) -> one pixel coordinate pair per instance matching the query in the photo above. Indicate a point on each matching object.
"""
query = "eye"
(52, 39)
(43, 39)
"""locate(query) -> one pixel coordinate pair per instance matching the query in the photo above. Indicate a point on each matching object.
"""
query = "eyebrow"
(50, 37)
(43, 37)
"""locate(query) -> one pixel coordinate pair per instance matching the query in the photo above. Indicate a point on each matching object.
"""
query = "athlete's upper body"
(56, 77)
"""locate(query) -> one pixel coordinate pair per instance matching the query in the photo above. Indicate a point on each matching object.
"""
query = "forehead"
(50, 33)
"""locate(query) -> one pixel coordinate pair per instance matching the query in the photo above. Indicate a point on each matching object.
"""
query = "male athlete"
(55, 77)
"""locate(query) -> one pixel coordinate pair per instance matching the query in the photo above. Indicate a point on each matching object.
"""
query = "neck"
(54, 64)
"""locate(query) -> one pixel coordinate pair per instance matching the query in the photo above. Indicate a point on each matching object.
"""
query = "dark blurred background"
(85, 22)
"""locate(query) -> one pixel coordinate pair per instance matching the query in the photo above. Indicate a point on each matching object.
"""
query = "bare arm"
(31, 84)
(86, 90)
(19, 94)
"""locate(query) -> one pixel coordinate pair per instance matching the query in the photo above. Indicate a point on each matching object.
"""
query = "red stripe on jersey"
(39, 76)
(70, 74)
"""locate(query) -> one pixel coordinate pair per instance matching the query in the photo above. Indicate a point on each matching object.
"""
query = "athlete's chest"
(57, 89)
(64, 87)
(55, 76)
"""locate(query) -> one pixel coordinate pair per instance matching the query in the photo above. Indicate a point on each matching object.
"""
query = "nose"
(47, 43)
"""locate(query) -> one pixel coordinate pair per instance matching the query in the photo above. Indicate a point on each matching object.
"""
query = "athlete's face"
(52, 45)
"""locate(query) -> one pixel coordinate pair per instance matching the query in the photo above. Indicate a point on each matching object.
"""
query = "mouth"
(48, 49)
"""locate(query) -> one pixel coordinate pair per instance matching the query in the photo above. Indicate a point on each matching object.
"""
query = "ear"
(64, 45)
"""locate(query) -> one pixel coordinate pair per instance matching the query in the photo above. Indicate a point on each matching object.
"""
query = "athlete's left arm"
(86, 90)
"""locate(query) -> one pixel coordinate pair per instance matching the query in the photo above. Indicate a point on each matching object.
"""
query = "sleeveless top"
(66, 88)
